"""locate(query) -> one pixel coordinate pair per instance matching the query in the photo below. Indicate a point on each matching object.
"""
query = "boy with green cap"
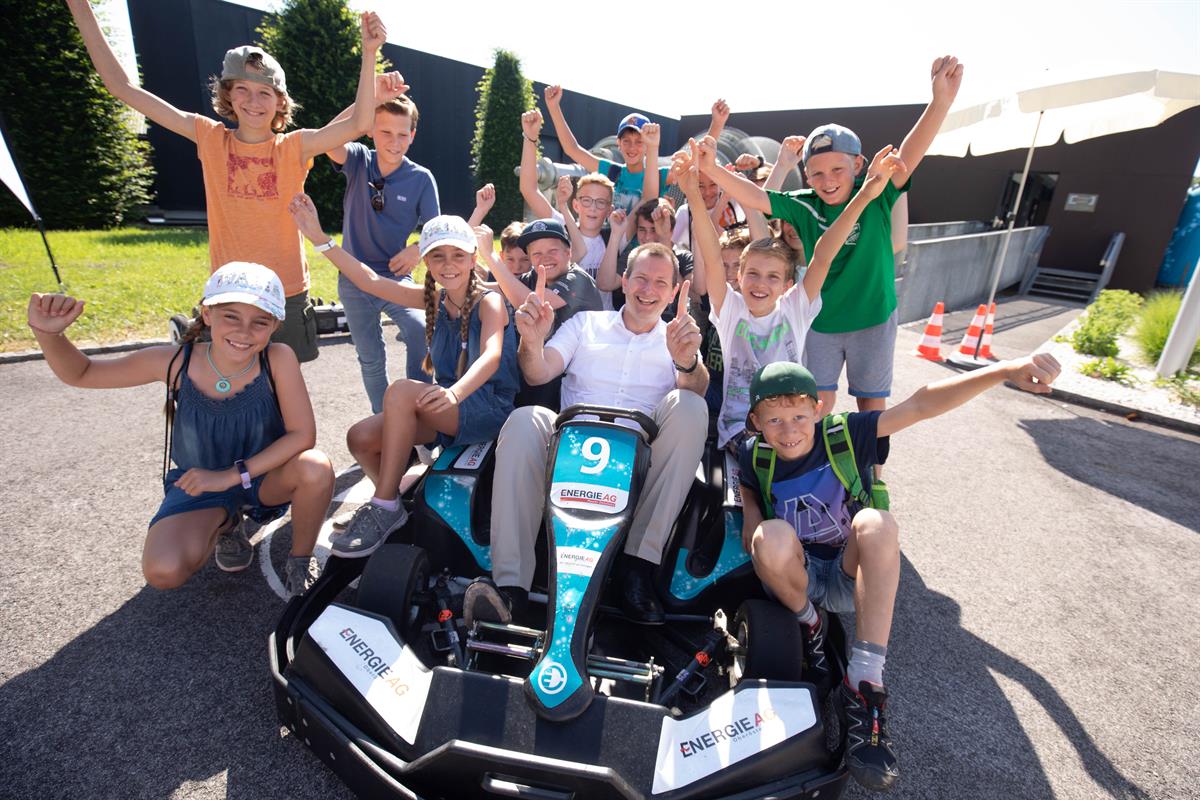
(815, 541)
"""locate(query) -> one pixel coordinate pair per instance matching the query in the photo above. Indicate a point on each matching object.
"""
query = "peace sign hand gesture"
(683, 334)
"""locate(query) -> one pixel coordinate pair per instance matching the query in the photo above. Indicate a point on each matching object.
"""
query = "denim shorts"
(234, 501)
(828, 584)
(867, 355)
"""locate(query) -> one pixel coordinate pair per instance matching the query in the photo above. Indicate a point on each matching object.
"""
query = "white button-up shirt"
(607, 364)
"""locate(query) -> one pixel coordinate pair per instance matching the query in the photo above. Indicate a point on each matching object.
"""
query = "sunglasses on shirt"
(377, 195)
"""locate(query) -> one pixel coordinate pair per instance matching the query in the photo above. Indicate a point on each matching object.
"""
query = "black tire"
(769, 643)
(393, 575)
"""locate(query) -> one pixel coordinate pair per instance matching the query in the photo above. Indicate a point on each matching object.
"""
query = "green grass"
(1154, 325)
(133, 280)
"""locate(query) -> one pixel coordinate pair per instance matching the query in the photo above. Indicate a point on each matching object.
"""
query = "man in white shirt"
(629, 358)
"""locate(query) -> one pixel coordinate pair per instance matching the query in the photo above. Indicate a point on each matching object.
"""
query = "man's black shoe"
(817, 669)
(869, 755)
(638, 601)
(486, 602)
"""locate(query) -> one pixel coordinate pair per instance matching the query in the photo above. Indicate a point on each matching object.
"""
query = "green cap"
(778, 379)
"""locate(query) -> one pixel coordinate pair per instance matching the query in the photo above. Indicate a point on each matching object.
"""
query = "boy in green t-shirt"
(857, 323)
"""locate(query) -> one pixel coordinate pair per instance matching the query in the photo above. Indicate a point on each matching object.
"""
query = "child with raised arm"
(769, 317)
(631, 180)
(242, 426)
(251, 171)
(814, 541)
(472, 357)
(857, 324)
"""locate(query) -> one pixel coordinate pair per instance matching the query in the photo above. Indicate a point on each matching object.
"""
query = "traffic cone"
(985, 346)
(930, 347)
(968, 347)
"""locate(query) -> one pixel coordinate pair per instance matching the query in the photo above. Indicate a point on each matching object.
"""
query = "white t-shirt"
(609, 365)
(591, 261)
(749, 342)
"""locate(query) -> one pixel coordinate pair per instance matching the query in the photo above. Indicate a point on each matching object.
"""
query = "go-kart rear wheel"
(393, 575)
(769, 643)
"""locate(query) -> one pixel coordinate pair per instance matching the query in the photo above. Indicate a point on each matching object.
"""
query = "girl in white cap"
(472, 358)
(239, 423)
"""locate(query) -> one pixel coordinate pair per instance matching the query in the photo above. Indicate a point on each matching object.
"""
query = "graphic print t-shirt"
(807, 493)
(247, 188)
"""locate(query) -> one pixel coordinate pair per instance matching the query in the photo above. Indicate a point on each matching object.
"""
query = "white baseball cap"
(447, 229)
(244, 282)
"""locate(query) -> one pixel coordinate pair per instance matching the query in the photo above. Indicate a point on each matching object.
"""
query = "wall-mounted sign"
(1081, 202)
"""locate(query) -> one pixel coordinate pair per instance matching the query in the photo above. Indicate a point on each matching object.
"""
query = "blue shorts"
(234, 501)
(481, 415)
(828, 584)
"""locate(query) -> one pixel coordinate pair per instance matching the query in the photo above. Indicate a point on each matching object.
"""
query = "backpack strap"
(172, 398)
(840, 449)
(763, 458)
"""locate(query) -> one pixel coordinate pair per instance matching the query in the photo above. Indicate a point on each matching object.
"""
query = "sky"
(790, 55)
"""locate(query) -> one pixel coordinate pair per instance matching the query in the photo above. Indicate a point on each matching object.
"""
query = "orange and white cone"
(985, 346)
(968, 348)
(930, 347)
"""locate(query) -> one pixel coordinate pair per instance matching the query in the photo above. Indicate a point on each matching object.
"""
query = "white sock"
(808, 616)
(387, 505)
(866, 663)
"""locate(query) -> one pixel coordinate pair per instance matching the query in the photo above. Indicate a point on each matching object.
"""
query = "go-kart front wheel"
(393, 575)
(770, 644)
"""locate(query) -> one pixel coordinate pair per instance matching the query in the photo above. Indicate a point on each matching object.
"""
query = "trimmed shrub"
(1154, 325)
(82, 160)
(1107, 318)
(504, 95)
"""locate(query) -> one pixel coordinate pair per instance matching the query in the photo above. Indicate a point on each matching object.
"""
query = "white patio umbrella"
(1075, 111)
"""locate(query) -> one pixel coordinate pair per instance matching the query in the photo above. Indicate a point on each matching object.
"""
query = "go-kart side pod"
(595, 475)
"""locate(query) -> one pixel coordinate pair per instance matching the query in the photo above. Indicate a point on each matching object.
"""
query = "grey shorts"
(299, 328)
(867, 355)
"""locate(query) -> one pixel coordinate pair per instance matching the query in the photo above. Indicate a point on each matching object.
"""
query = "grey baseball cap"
(249, 63)
(831, 138)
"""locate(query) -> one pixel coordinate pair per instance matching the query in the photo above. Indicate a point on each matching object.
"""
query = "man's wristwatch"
(240, 466)
(321, 248)
(692, 368)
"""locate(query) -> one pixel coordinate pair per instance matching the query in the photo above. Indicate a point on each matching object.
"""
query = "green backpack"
(840, 450)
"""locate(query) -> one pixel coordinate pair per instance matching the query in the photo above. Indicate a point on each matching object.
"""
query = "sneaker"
(816, 663)
(300, 574)
(485, 601)
(869, 754)
(342, 521)
(367, 529)
(234, 551)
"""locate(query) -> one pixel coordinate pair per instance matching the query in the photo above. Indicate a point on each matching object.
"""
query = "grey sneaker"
(234, 551)
(301, 573)
(367, 529)
(342, 521)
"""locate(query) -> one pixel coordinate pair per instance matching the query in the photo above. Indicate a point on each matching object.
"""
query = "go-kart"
(388, 687)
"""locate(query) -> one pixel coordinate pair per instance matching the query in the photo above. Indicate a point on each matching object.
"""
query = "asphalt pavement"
(1044, 631)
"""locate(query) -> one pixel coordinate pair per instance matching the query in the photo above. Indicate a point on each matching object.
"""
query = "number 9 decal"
(596, 450)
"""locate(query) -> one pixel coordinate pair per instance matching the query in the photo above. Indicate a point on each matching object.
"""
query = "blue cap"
(831, 139)
(543, 229)
(635, 121)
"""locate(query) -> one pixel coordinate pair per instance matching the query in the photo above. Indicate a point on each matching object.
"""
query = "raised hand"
(53, 313)
(531, 124)
(683, 334)
(1035, 373)
(616, 219)
(374, 34)
(651, 134)
(553, 96)
(563, 192)
(661, 217)
(485, 239)
(485, 198)
(946, 75)
(791, 151)
(746, 162)
(720, 112)
(304, 214)
(535, 316)
(884, 166)
(706, 152)
(684, 166)
(389, 86)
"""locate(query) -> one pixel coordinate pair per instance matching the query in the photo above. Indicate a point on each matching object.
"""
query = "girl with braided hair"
(472, 356)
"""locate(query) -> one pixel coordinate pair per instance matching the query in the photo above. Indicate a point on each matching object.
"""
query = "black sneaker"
(869, 755)
(486, 602)
(817, 669)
